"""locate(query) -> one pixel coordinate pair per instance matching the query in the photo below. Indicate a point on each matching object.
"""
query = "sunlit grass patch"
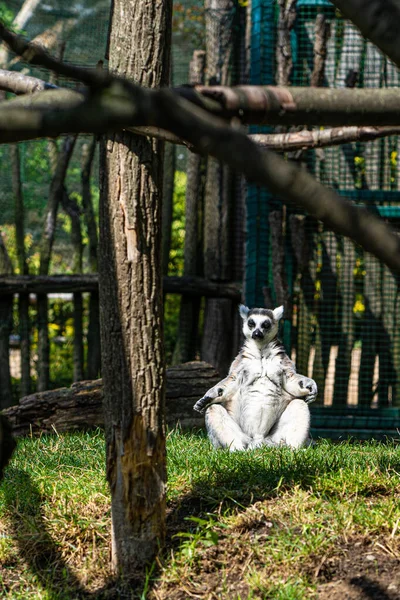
(269, 523)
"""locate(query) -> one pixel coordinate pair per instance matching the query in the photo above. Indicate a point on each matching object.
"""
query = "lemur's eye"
(251, 323)
(266, 325)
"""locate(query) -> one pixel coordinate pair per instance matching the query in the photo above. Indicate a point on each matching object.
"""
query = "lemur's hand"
(309, 389)
(209, 398)
(303, 387)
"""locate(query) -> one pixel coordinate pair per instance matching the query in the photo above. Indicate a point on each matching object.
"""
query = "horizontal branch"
(114, 103)
(17, 83)
(53, 284)
(272, 105)
(321, 138)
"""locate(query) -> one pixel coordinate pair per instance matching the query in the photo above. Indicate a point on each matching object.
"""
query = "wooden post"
(6, 303)
(49, 228)
(23, 299)
(187, 338)
(131, 297)
(93, 336)
(217, 343)
(74, 212)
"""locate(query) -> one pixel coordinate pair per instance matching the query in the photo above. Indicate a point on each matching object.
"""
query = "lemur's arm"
(296, 385)
(224, 389)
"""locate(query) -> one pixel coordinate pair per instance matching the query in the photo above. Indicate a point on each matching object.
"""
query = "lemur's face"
(260, 324)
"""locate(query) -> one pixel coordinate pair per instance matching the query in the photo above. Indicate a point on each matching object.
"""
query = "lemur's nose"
(257, 333)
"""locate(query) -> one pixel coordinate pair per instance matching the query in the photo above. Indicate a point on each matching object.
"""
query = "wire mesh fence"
(344, 302)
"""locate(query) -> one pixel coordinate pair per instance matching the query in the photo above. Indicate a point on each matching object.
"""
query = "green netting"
(343, 303)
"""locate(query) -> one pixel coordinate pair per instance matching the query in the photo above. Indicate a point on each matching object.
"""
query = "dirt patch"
(362, 572)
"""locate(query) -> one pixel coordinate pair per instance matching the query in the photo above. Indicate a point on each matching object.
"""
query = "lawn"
(323, 522)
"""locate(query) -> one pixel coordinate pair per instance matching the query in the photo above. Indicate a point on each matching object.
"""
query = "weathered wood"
(187, 335)
(6, 306)
(131, 298)
(286, 20)
(80, 407)
(93, 336)
(217, 347)
(56, 194)
(52, 284)
(73, 210)
(167, 203)
(23, 304)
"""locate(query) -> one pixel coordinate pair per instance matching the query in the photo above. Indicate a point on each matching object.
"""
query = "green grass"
(260, 524)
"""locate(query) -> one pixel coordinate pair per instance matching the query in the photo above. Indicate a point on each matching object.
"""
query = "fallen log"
(80, 406)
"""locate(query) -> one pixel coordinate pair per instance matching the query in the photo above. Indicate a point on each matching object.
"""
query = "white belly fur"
(261, 405)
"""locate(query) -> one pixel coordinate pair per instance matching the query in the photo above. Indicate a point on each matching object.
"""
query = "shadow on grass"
(224, 482)
(44, 556)
(371, 589)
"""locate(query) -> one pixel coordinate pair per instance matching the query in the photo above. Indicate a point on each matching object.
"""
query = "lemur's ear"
(278, 313)
(243, 311)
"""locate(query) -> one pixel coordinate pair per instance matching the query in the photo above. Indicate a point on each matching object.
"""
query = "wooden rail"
(41, 284)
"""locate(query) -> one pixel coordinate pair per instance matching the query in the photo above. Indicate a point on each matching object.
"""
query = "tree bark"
(80, 406)
(93, 336)
(217, 342)
(55, 196)
(131, 298)
(187, 337)
(73, 211)
(6, 304)
(23, 300)
(167, 205)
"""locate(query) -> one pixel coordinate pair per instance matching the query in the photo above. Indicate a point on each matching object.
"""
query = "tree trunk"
(73, 211)
(55, 195)
(93, 336)
(6, 303)
(131, 298)
(167, 204)
(217, 343)
(186, 344)
(23, 300)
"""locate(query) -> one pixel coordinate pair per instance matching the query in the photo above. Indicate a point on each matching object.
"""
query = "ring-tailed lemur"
(263, 400)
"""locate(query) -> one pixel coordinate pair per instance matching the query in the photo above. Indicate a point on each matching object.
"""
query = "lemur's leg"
(293, 427)
(225, 387)
(223, 431)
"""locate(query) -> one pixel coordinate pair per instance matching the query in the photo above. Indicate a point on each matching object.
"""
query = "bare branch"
(282, 178)
(36, 55)
(20, 21)
(322, 33)
(321, 138)
(124, 104)
(286, 20)
(17, 83)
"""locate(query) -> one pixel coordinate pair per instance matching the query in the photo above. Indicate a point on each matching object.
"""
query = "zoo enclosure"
(342, 302)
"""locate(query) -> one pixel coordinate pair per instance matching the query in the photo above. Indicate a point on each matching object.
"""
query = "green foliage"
(6, 15)
(176, 263)
(176, 254)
